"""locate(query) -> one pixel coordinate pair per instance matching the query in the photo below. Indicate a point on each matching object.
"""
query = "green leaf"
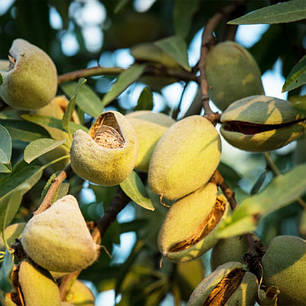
(9, 207)
(125, 79)
(259, 182)
(23, 130)
(23, 177)
(39, 147)
(299, 103)
(282, 191)
(297, 76)
(5, 168)
(71, 105)
(5, 272)
(289, 11)
(182, 15)
(1, 79)
(176, 47)
(87, 99)
(5, 145)
(134, 189)
(120, 5)
(145, 101)
(52, 122)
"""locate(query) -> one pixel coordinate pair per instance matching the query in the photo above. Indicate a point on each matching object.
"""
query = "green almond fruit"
(230, 284)
(188, 276)
(7, 301)
(149, 128)
(261, 123)
(190, 226)
(284, 266)
(80, 294)
(58, 238)
(37, 286)
(184, 158)
(31, 80)
(244, 79)
(230, 249)
(108, 154)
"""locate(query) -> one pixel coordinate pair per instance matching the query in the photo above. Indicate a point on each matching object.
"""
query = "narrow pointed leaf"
(23, 177)
(87, 99)
(282, 191)
(125, 79)
(52, 122)
(23, 130)
(5, 168)
(39, 147)
(71, 105)
(5, 272)
(9, 207)
(135, 190)
(176, 47)
(297, 76)
(120, 5)
(5, 145)
(289, 11)
(182, 16)
(145, 101)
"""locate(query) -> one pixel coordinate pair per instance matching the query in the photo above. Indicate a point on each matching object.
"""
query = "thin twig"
(228, 192)
(150, 70)
(47, 201)
(93, 71)
(120, 200)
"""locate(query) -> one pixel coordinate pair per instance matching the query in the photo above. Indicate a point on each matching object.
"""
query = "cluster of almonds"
(180, 159)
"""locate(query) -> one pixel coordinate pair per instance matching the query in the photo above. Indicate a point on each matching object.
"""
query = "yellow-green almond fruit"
(230, 249)
(261, 123)
(184, 158)
(229, 285)
(31, 81)
(190, 226)
(11, 233)
(58, 238)
(284, 266)
(56, 109)
(37, 286)
(188, 276)
(80, 294)
(242, 80)
(148, 52)
(108, 154)
(7, 301)
(149, 128)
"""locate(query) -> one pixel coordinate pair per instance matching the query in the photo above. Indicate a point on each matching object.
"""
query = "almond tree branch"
(228, 192)
(150, 70)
